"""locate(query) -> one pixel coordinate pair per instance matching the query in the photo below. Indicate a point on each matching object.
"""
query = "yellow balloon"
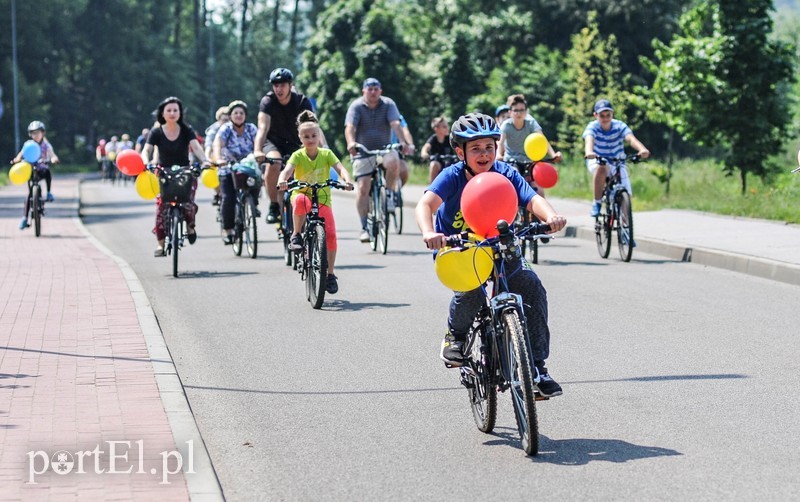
(112, 156)
(210, 178)
(464, 269)
(20, 173)
(147, 185)
(536, 146)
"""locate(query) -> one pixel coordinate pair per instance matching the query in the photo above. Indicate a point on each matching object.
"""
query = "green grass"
(696, 184)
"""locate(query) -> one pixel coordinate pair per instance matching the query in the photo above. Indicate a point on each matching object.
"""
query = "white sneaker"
(364, 236)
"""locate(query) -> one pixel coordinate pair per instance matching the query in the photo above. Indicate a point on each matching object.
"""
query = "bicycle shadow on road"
(582, 451)
(345, 306)
(207, 274)
(662, 378)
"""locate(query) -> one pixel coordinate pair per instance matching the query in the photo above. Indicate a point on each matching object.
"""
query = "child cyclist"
(36, 131)
(474, 138)
(312, 164)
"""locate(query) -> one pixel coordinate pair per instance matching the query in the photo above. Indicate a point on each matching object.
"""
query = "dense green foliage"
(683, 73)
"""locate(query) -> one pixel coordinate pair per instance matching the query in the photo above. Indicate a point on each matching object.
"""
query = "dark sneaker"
(23, 224)
(547, 386)
(452, 351)
(216, 200)
(191, 237)
(296, 243)
(331, 285)
(274, 213)
(595, 210)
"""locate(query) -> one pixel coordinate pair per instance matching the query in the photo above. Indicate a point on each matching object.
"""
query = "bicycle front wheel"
(522, 393)
(317, 266)
(397, 217)
(238, 229)
(482, 392)
(175, 237)
(382, 222)
(250, 227)
(624, 225)
(602, 232)
(36, 209)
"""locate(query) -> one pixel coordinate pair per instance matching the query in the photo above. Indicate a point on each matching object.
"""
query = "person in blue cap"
(501, 114)
(605, 136)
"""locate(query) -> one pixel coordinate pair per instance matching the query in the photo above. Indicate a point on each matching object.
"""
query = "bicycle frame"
(378, 215)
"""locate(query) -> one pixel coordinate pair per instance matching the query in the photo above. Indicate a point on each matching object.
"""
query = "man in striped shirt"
(605, 137)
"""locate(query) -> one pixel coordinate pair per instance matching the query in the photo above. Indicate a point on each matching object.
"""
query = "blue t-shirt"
(609, 143)
(449, 185)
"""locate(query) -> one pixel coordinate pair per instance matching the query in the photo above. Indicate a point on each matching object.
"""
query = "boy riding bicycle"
(605, 137)
(474, 138)
(36, 131)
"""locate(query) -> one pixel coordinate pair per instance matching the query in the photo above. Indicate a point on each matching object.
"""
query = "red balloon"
(487, 198)
(130, 162)
(545, 175)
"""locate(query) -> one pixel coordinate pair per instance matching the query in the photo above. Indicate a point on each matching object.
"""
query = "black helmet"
(36, 126)
(473, 126)
(279, 75)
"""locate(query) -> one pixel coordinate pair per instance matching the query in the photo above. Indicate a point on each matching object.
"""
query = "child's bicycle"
(312, 260)
(175, 183)
(497, 353)
(35, 202)
(616, 211)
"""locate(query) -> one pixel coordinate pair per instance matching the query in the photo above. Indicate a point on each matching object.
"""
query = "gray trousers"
(523, 281)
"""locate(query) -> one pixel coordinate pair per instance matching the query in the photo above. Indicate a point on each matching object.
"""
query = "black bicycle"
(616, 212)
(35, 200)
(378, 212)
(245, 231)
(176, 183)
(498, 352)
(312, 260)
(284, 226)
(524, 217)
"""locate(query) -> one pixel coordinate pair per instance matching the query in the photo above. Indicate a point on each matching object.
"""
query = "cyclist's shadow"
(583, 451)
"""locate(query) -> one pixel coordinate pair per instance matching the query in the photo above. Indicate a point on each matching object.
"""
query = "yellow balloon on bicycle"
(464, 268)
(210, 178)
(536, 146)
(20, 173)
(147, 185)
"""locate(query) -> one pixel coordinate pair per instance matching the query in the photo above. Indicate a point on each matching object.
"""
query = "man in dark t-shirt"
(277, 131)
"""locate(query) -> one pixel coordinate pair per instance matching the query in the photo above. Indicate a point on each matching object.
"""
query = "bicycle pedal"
(539, 397)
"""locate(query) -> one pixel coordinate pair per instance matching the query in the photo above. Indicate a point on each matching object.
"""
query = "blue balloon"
(334, 176)
(31, 151)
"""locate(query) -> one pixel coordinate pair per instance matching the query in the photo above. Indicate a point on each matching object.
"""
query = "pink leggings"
(302, 205)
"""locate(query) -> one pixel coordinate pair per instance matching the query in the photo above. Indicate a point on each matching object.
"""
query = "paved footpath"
(90, 405)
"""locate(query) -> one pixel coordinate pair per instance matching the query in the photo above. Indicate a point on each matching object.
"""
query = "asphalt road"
(680, 382)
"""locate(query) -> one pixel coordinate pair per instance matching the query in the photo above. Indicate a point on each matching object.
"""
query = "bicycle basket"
(245, 177)
(176, 186)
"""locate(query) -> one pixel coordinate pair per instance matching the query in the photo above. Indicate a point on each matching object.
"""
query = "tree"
(726, 84)
(592, 72)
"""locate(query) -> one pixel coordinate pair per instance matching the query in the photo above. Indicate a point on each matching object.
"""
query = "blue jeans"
(522, 280)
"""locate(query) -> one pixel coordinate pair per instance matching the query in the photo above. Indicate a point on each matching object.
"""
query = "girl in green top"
(312, 164)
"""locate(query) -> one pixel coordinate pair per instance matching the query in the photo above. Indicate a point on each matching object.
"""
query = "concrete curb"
(203, 484)
(750, 265)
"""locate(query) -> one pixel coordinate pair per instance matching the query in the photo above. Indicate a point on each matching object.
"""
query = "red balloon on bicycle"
(545, 175)
(487, 198)
(130, 162)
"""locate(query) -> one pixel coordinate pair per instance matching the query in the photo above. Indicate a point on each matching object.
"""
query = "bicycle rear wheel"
(624, 225)
(482, 391)
(36, 209)
(397, 216)
(522, 393)
(602, 231)
(175, 237)
(250, 226)
(382, 234)
(317, 265)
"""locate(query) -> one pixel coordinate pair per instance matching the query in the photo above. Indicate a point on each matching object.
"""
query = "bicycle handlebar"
(634, 159)
(297, 184)
(530, 232)
(364, 153)
(194, 167)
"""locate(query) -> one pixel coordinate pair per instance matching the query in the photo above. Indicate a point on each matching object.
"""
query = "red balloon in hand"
(130, 162)
(487, 198)
(545, 175)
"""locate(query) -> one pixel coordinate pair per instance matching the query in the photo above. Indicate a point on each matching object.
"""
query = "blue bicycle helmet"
(473, 126)
(279, 75)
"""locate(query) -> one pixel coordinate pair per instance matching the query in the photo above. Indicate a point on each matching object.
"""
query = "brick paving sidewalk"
(75, 373)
